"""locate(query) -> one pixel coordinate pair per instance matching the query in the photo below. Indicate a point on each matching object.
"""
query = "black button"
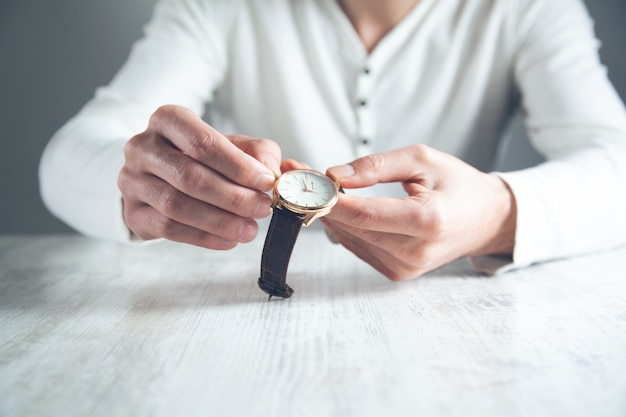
(363, 102)
(366, 70)
(365, 141)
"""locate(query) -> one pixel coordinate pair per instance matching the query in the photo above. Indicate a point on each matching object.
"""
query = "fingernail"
(341, 171)
(265, 181)
(248, 231)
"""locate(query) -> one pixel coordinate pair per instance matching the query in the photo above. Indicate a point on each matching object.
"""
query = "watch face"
(307, 189)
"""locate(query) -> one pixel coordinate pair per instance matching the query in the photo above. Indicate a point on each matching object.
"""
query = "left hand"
(452, 210)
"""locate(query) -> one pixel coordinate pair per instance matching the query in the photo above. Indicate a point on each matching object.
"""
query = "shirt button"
(366, 70)
(363, 102)
(365, 141)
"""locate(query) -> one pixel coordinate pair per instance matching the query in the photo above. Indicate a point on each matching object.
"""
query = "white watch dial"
(307, 189)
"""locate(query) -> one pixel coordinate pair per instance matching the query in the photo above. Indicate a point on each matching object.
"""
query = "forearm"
(566, 207)
(573, 203)
(180, 60)
(570, 206)
(78, 173)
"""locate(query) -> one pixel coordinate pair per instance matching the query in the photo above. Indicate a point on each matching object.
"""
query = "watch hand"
(306, 180)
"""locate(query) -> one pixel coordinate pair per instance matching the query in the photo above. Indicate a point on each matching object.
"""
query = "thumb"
(363, 172)
(400, 165)
(265, 151)
(356, 174)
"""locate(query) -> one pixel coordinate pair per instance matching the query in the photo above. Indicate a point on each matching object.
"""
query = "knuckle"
(420, 256)
(167, 228)
(419, 149)
(130, 218)
(171, 203)
(364, 217)
(422, 153)
(227, 229)
(409, 266)
(421, 260)
(140, 233)
(137, 222)
(133, 146)
(373, 163)
(238, 202)
(123, 178)
(202, 143)
(436, 225)
(428, 219)
(162, 113)
(188, 174)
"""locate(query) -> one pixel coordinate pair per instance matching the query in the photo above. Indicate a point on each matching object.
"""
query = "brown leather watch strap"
(281, 238)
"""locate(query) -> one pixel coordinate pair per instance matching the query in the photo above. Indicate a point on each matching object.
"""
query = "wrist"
(501, 224)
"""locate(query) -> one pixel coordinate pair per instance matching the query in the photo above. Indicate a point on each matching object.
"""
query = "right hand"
(184, 181)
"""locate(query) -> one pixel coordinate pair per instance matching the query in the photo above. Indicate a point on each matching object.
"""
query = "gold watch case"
(310, 212)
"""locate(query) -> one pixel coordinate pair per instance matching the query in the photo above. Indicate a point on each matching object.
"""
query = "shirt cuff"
(528, 229)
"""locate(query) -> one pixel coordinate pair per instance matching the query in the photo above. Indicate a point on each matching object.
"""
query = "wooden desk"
(92, 328)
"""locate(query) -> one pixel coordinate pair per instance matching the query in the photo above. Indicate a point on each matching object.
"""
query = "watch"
(300, 197)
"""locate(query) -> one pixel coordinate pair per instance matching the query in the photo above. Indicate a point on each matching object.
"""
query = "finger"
(406, 164)
(202, 183)
(392, 243)
(412, 216)
(194, 137)
(263, 150)
(151, 224)
(407, 255)
(383, 261)
(186, 210)
(289, 164)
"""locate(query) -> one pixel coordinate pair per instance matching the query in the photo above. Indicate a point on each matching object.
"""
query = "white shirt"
(449, 75)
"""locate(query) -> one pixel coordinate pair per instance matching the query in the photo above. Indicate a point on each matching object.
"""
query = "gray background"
(53, 54)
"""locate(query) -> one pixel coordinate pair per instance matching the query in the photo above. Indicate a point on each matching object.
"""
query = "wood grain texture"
(103, 329)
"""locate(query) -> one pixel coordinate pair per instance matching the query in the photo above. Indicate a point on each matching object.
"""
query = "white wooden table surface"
(92, 328)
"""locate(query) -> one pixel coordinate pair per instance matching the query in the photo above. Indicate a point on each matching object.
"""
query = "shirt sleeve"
(574, 203)
(181, 60)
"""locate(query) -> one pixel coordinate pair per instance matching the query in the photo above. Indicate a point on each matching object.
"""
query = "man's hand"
(452, 210)
(184, 181)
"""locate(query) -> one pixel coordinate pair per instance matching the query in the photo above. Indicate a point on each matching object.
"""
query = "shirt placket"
(365, 126)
